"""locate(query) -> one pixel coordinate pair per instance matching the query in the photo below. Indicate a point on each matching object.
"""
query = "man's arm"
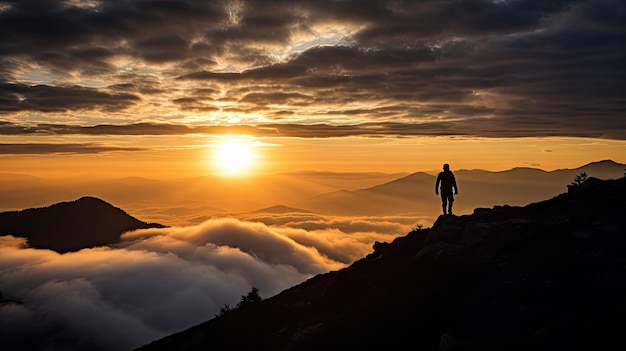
(437, 184)
(456, 188)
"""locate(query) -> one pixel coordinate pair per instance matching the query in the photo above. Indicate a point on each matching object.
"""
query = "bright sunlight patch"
(233, 157)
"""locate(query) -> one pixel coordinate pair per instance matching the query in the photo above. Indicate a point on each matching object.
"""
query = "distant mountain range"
(90, 221)
(71, 226)
(415, 193)
(550, 275)
(191, 201)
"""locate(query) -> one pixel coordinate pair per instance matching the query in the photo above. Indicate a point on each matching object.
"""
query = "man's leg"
(444, 202)
(450, 201)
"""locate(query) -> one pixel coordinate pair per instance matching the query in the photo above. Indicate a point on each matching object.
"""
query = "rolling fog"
(158, 281)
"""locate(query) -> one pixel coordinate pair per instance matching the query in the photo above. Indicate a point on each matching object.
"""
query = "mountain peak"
(72, 225)
(548, 275)
(280, 209)
(607, 161)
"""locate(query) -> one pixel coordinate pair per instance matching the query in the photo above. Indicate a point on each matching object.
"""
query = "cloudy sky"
(183, 89)
(367, 80)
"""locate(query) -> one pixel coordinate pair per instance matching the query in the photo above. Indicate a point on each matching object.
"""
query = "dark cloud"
(9, 128)
(193, 104)
(514, 125)
(46, 98)
(518, 67)
(163, 49)
(39, 149)
(277, 98)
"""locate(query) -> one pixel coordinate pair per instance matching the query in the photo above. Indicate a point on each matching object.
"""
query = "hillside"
(70, 226)
(550, 275)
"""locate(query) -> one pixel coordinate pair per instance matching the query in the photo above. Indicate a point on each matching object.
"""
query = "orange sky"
(191, 156)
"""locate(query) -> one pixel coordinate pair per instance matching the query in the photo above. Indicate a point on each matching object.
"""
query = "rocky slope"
(547, 276)
(70, 226)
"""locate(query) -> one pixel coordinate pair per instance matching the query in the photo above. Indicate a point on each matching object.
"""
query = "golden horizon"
(171, 157)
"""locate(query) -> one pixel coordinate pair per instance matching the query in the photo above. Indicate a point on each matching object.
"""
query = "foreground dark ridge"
(547, 276)
(71, 226)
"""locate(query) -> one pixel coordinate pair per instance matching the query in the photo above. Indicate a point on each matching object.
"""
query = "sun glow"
(234, 157)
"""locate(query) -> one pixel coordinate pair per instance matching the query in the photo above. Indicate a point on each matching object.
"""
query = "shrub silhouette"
(579, 179)
(251, 297)
(223, 310)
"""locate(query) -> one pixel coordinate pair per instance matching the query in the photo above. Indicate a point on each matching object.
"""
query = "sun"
(234, 157)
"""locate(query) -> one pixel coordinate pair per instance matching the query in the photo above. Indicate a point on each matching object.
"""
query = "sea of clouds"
(156, 282)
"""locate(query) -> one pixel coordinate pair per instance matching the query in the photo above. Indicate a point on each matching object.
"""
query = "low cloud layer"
(40, 149)
(158, 281)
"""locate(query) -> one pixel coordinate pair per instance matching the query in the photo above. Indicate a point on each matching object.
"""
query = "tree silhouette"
(223, 310)
(579, 179)
(251, 297)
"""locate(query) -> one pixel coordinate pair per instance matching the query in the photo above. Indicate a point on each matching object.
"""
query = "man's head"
(446, 167)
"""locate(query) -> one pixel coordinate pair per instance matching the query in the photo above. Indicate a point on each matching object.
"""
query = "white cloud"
(155, 282)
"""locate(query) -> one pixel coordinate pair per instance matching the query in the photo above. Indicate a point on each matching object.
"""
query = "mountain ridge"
(280, 209)
(71, 225)
(548, 275)
(192, 200)
(477, 188)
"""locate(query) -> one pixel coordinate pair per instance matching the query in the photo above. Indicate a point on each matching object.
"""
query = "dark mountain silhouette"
(601, 169)
(415, 193)
(550, 275)
(71, 226)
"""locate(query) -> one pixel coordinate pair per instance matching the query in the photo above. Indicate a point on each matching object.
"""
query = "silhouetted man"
(447, 181)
